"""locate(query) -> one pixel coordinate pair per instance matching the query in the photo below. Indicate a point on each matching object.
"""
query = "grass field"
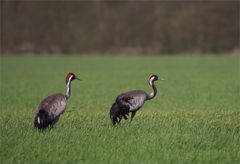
(195, 117)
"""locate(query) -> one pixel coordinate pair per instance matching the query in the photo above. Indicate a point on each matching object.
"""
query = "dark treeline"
(119, 26)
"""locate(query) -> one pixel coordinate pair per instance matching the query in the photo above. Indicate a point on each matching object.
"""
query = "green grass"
(195, 117)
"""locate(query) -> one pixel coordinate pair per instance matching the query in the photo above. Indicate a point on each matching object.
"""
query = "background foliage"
(120, 26)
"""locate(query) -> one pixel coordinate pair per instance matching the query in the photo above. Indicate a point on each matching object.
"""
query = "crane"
(50, 109)
(132, 101)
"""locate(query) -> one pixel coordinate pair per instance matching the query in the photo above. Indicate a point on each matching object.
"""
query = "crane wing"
(55, 104)
(124, 101)
(133, 99)
(59, 106)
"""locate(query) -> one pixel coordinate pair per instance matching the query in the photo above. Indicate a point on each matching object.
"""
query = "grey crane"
(50, 109)
(131, 101)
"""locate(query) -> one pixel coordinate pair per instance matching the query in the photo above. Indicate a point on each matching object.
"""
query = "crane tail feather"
(117, 112)
(42, 120)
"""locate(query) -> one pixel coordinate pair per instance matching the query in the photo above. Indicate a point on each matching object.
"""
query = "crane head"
(153, 78)
(71, 76)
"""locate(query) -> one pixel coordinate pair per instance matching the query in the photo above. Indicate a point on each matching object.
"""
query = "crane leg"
(125, 117)
(120, 117)
(54, 121)
(133, 114)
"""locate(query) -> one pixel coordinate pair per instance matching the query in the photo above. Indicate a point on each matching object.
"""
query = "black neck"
(154, 92)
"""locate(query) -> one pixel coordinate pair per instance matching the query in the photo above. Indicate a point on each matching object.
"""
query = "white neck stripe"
(70, 78)
(150, 80)
(68, 85)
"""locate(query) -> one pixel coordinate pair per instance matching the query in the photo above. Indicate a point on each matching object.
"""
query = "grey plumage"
(50, 109)
(131, 102)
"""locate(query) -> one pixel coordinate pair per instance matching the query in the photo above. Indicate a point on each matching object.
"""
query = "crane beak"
(161, 79)
(78, 78)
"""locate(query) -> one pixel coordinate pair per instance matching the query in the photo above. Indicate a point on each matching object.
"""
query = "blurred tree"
(100, 26)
